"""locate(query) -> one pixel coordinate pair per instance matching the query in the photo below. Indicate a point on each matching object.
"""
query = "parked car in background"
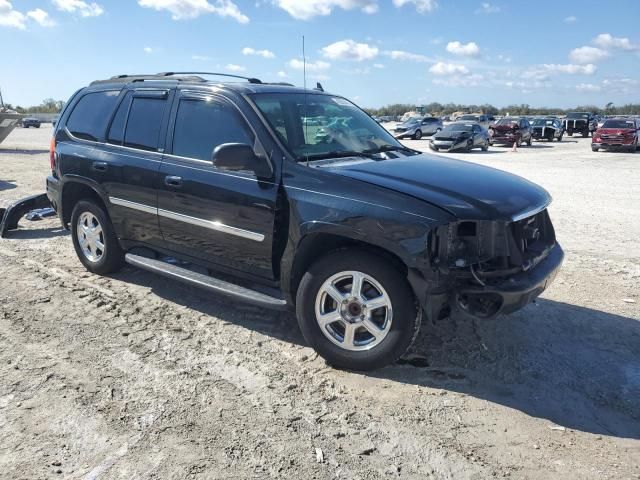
(480, 119)
(462, 136)
(580, 122)
(547, 128)
(30, 122)
(617, 133)
(510, 130)
(416, 127)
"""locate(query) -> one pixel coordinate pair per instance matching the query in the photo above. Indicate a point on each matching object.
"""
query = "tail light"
(52, 153)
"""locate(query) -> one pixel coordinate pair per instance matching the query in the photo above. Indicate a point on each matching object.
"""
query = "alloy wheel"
(90, 237)
(353, 311)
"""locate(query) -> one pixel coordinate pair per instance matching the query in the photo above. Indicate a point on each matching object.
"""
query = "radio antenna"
(304, 83)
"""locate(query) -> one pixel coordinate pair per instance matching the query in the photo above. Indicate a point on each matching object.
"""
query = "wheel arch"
(318, 244)
(74, 190)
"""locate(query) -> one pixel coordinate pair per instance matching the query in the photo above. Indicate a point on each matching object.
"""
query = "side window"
(89, 118)
(116, 131)
(201, 126)
(143, 124)
(476, 129)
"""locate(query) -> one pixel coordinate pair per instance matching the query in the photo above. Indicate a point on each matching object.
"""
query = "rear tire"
(343, 342)
(485, 147)
(417, 135)
(530, 141)
(94, 239)
(585, 133)
(570, 133)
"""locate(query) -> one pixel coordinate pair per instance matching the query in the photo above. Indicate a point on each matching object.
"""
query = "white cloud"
(486, 7)
(259, 53)
(378, 65)
(472, 80)
(588, 87)
(307, 9)
(588, 69)
(422, 6)
(80, 7)
(10, 17)
(234, 68)
(570, 19)
(311, 66)
(282, 74)
(606, 40)
(147, 50)
(470, 49)
(41, 17)
(542, 72)
(587, 55)
(349, 50)
(621, 85)
(407, 56)
(443, 69)
(200, 58)
(187, 9)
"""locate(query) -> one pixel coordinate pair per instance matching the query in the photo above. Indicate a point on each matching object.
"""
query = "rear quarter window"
(89, 117)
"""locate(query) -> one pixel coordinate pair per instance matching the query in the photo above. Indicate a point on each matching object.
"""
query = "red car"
(510, 130)
(617, 133)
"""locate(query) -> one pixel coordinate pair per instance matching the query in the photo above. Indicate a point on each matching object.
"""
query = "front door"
(219, 216)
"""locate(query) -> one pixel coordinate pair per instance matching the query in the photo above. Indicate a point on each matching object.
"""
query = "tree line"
(48, 105)
(439, 109)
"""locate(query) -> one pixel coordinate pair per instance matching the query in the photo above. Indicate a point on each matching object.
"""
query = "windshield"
(507, 121)
(322, 126)
(541, 122)
(458, 127)
(619, 124)
(577, 115)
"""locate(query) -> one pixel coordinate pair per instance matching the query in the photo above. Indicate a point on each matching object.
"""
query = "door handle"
(99, 166)
(173, 181)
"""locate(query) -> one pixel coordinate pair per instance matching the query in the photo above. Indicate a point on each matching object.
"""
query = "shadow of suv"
(230, 187)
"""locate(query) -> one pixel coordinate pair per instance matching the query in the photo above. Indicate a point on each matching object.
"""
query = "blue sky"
(376, 52)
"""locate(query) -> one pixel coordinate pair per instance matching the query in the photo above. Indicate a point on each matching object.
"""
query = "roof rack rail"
(170, 74)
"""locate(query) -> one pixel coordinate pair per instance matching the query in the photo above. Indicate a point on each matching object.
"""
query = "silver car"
(417, 127)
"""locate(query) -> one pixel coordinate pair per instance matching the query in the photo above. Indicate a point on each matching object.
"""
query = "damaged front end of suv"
(489, 267)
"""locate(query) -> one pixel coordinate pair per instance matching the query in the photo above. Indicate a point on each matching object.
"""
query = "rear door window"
(144, 121)
(89, 118)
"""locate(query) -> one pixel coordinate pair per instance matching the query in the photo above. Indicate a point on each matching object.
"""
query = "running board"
(204, 281)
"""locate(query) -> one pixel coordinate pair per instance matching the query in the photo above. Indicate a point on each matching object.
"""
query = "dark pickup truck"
(229, 187)
(580, 122)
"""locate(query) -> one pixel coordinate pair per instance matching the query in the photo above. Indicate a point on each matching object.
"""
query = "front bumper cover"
(518, 290)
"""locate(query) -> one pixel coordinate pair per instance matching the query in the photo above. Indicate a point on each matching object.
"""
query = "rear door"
(132, 158)
(222, 217)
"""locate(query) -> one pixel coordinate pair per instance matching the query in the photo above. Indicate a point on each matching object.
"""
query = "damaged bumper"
(513, 293)
(10, 217)
(486, 268)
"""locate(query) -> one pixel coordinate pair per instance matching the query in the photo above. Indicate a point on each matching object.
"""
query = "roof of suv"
(169, 79)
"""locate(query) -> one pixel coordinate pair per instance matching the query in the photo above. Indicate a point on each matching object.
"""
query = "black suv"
(231, 187)
(580, 122)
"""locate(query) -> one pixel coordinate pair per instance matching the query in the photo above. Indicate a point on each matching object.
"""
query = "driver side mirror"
(240, 156)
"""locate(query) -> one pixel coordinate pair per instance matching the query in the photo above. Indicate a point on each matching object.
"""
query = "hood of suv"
(468, 190)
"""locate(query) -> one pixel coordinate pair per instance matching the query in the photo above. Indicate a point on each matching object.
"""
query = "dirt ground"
(133, 376)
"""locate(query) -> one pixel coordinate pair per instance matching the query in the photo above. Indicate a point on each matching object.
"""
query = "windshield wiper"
(389, 148)
(334, 154)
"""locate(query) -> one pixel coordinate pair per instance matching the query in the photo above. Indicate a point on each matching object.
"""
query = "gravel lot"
(134, 376)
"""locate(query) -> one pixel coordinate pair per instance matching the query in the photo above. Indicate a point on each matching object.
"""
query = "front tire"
(417, 135)
(594, 149)
(357, 310)
(94, 239)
